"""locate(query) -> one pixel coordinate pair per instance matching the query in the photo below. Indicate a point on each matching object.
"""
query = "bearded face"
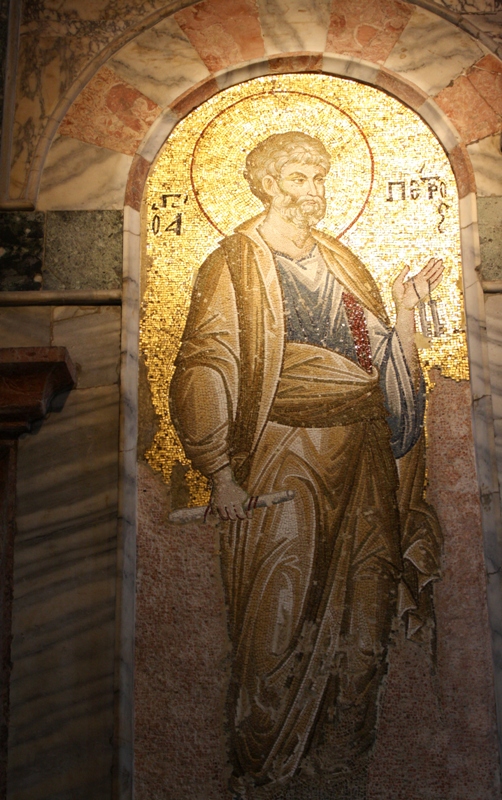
(304, 211)
(298, 194)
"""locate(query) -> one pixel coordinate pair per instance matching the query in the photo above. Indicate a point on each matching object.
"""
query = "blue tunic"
(315, 314)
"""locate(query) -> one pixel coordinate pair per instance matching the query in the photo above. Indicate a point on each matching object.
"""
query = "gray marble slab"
(294, 25)
(489, 221)
(58, 44)
(493, 307)
(487, 27)
(468, 6)
(486, 158)
(160, 62)
(92, 336)
(432, 52)
(127, 528)
(61, 715)
(157, 135)
(83, 250)
(25, 326)
(21, 250)
(78, 175)
(484, 436)
(494, 335)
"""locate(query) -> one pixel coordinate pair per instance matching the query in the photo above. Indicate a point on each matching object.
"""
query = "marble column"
(30, 377)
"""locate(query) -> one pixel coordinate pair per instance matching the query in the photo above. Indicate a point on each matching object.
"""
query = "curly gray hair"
(270, 156)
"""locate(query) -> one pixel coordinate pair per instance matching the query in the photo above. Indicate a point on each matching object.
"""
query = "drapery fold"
(313, 585)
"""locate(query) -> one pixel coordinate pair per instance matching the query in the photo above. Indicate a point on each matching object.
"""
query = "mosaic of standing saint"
(290, 377)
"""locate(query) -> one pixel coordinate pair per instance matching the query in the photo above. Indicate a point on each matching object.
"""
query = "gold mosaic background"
(391, 197)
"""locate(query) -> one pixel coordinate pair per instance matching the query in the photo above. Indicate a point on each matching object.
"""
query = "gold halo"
(219, 185)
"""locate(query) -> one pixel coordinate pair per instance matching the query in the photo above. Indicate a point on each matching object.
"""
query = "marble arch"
(484, 30)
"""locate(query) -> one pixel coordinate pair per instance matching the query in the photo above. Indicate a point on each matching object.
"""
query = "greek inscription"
(423, 187)
(414, 189)
(173, 200)
(168, 201)
(390, 187)
(442, 209)
(175, 225)
(432, 185)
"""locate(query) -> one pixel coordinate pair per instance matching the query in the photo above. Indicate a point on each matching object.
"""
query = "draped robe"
(312, 585)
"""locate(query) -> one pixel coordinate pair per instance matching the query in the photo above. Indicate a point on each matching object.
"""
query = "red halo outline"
(285, 91)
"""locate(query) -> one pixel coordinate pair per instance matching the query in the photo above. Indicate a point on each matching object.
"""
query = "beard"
(304, 212)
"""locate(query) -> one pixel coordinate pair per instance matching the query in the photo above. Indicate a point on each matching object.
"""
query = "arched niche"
(473, 301)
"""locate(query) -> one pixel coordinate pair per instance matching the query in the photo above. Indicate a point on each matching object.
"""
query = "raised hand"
(408, 293)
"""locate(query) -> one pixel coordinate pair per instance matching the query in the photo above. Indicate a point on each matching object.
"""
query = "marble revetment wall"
(61, 278)
(344, 642)
(61, 687)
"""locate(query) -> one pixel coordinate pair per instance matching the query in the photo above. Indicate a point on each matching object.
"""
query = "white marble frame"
(482, 412)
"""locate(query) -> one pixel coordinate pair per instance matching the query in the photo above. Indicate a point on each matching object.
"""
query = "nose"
(312, 187)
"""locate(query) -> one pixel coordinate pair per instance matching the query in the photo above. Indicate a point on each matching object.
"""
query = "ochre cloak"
(313, 586)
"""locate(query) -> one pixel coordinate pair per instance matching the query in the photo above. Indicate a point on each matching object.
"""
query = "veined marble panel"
(487, 26)
(467, 6)
(157, 135)
(82, 176)
(490, 237)
(471, 254)
(61, 713)
(294, 25)
(58, 41)
(231, 77)
(494, 333)
(92, 336)
(486, 158)
(25, 327)
(161, 63)
(42, 77)
(130, 342)
(480, 378)
(83, 250)
(127, 529)
(432, 52)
